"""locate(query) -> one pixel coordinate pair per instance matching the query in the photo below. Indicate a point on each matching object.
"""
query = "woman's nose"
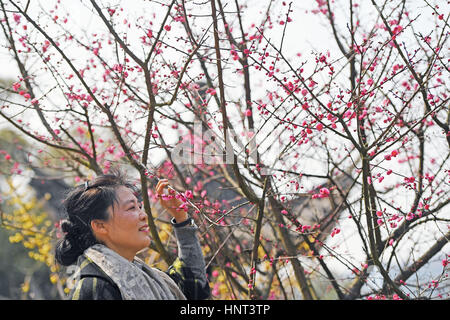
(142, 214)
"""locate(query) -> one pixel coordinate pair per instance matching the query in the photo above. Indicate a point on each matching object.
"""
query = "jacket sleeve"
(95, 288)
(188, 270)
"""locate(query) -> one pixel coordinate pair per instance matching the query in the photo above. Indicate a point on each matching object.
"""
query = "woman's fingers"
(170, 202)
(161, 185)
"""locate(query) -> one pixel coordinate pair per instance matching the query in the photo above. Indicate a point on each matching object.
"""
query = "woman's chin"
(145, 244)
(147, 241)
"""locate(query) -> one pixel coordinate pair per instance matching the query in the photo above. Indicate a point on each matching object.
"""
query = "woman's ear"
(99, 227)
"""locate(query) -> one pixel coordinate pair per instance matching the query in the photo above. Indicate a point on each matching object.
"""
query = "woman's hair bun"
(67, 226)
(68, 248)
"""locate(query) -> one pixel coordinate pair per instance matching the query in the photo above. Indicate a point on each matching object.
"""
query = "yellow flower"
(27, 225)
(54, 278)
(27, 232)
(166, 227)
(223, 288)
(28, 245)
(16, 238)
(45, 249)
(261, 252)
(25, 287)
(205, 250)
(28, 215)
(162, 265)
(163, 235)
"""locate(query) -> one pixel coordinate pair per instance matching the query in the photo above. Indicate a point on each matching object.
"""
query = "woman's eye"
(133, 207)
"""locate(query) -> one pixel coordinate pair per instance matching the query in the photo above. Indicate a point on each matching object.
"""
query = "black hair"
(83, 204)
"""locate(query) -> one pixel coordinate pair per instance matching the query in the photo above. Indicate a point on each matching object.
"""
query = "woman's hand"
(170, 202)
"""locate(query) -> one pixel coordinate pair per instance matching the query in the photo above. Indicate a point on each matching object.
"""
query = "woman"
(106, 228)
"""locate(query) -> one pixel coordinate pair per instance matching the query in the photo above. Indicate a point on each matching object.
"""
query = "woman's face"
(127, 231)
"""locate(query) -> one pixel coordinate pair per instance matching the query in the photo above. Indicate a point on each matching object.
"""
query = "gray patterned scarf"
(135, 280)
